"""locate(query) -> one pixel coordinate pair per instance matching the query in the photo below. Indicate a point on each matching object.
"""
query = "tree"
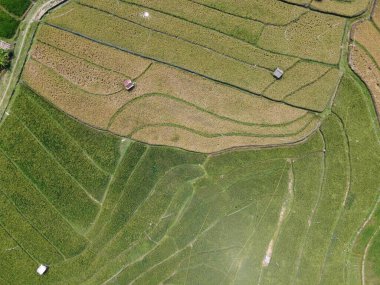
(5, 59)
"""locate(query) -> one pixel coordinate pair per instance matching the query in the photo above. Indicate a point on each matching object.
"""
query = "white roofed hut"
(129, 84)
(278, 73)
(42, 269)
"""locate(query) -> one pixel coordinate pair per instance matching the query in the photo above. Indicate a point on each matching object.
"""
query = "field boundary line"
(121, 230)
(181, 68)
(41, 193)
(365, 255)
(74, 141)
(18, 243)
(203, 110)
(78, 57)
(75, 85)
(357, 234)
(248, 18)
(72, 84)
(231, 36)
(40, 11)
(251, 235)
(110, 182)
(308, 84)
(189, 244)
(218, 135)
(15, 17)
(173, 36)
(114, 206)
(48, 152)
(322, 183)
(285, 210)
(366, 51)
(27, 220)
(347, 191)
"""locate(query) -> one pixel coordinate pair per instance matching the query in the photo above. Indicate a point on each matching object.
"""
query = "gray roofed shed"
(278, 73)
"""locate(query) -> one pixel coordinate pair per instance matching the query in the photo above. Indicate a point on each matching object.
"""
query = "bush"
(5, 59)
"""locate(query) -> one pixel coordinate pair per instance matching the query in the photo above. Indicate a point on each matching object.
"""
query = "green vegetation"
(8, 25)
(4, 59)
(101, 209)
(16, 7)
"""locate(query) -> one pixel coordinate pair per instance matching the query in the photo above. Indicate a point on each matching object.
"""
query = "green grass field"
(11, 12)
(105, 209)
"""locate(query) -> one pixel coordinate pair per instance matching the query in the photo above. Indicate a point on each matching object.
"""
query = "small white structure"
(145, 14)
(278, 73)
(41, 270)
(129, 84)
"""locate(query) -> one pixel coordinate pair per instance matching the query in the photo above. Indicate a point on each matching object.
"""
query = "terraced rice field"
(206, 63)
(210, 171)
(365, 54)
(11, 12)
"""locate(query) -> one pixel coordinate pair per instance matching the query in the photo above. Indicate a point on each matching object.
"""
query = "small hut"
(42, 269)
(278, 73)
(129, 84)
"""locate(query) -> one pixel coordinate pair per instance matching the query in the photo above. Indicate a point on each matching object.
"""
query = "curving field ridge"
(210, 171)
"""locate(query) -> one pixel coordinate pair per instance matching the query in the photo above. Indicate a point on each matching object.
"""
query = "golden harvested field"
(105, 56)
(92, 109)
(196, 34)
(369, 37)
(268, 11)
(299, 75)
(158, 109)
(121, 33)
(314, 36)
(344, 8)
(308, 96)
(164, 95)
(187, 139)
(243, 29)
(376, 15)
(216, 98)
(89, 77)
(203, 79)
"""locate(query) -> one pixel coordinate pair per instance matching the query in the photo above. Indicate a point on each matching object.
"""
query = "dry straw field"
(207, 83)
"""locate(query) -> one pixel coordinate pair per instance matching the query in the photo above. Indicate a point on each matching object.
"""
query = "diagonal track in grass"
(73, 140)
(51, 155)
(313, 211)
(348, 188)
(30, 223)
(41, 193)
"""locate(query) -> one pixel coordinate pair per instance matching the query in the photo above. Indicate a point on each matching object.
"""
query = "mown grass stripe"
(34, 227)
(41, 193)
(50, 154)
(72, 139)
